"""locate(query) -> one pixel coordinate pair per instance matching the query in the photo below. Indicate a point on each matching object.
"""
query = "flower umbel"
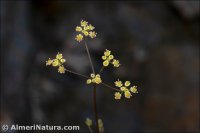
(88, 122)
(124, 89)
(100, 123)
(94, 79)
(57, 62)
(86, 30)
(108, 58)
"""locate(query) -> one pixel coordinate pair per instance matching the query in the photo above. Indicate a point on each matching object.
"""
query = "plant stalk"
(95, 108)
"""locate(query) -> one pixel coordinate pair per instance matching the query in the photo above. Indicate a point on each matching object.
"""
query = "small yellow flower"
(61, 69)
(49, 62)
(105, 63)
(62, 60)
(101, 128)
(104, 57)
(92, 75)
(88, 122)
(84, 23)
(85, 33)
(92, 34)
(127, 94)
(124, 89)
(116, 63)
(55, 63)
(111, 57)
(78, 28)
(94, 79)
(118, 83)
(89, 81)
(86, 30)
(107, 52)
(79, 37)
(134, 89)
(59, 56)
(127, 83)
(117, 95)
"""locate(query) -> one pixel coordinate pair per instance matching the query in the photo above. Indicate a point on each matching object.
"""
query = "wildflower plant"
(87, 30)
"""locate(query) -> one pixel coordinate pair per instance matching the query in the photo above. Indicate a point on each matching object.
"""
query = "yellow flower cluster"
(94, 79)
(86, 30)
(109, 58)
(57, 62)
(88, 122)
(101, 128)
(124, 89)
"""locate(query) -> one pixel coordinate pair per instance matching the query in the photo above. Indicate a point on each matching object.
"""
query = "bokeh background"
(156, 42)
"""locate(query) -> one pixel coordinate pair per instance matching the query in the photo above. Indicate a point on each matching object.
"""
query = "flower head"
(57, 62)
(94, 79)
(88, 122)
(100, 124)
(86, 30)
(108, 58)
(124, 89)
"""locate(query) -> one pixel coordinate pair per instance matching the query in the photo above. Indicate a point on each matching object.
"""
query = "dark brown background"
(156, 42)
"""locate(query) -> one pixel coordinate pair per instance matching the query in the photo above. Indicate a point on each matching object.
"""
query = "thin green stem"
(84, 76)
(78, 74)
(95, 108)
(88, 53)
(101, 69)
(90, 129)
(104, 84)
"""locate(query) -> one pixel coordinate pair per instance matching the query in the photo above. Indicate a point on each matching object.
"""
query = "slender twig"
(77, 73)
(88, 53)
(95, 108)
(101, 69)
(84, 76)
(104, 84)
(90, 129)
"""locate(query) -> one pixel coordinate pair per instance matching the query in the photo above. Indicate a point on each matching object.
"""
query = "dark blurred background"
(156, 42)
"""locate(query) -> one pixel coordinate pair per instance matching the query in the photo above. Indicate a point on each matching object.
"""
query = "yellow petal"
(117, 95)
